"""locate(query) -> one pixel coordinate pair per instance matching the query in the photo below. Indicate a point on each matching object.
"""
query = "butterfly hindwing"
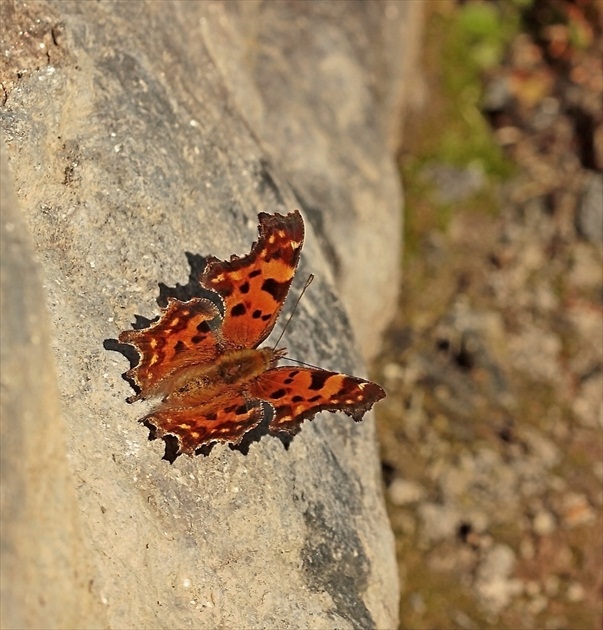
(226, 418)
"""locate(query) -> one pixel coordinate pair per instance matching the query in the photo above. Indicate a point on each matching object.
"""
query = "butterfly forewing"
(298, 393)
(254, 287)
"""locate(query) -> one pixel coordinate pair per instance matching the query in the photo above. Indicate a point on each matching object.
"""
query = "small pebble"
(402, 492)
(575, 592)
(543, 523)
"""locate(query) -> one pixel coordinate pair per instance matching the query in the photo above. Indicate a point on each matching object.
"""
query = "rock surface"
(44, 555)
(138, 132)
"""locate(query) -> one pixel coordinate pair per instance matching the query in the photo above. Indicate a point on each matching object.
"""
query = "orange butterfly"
(213, 381)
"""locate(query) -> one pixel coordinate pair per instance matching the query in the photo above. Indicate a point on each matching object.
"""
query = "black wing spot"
(275, 254)
(179, 347)
(279, 393)
(255, 273)
(318, 380)
(198, 338)
(244, 288)
(278, 290)
(266, 317)
(212, 417)
(297, 399)
(293, 373)
(256, 314)
(238, 309)
(314, 398)
(203, 327)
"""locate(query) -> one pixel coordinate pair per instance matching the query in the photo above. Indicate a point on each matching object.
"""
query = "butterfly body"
(197, 384)
(204, 364)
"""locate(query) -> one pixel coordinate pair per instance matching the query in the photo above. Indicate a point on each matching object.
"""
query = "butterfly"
(202, 362)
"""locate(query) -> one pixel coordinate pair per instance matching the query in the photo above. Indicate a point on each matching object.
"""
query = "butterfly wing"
(226, 418)
(298, 393)
(254, 287)
(182, 336)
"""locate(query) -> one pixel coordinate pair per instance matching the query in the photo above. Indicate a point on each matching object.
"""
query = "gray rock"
(46, 571)
(589, 216)
(402, 491)
(439, 521)
(325, 99)
(141, 131)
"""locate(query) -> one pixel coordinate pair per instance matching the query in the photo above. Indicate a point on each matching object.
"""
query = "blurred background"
(492, 431)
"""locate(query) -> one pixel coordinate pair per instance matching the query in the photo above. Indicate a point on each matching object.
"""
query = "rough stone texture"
(137, 132)
(322, 90)
(44, 555)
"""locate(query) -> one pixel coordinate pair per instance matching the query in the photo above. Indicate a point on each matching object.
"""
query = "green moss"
(472, 40)
(460, 48)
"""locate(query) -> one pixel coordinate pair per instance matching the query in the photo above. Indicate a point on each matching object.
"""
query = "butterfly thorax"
(200, 383)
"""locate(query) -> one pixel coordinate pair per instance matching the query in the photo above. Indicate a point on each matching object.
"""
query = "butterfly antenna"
(308, 283)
